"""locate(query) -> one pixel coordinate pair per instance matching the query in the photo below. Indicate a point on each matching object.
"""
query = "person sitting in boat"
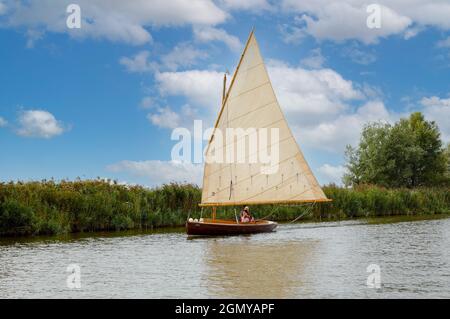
(246, 217)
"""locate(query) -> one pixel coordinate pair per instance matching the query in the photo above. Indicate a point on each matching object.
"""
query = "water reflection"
(248, 269)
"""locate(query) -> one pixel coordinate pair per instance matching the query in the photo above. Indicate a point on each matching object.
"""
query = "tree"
(447, 153)
(409, 153)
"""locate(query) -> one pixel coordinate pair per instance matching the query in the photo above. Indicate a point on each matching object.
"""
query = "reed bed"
(49, 207)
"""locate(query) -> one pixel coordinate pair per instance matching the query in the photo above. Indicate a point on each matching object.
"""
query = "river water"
(308, 260)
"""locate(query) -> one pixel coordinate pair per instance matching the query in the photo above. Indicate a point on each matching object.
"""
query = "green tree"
(447, 153)
(409, 153)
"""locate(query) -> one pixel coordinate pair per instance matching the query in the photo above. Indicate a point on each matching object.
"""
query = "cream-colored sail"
(251, 103)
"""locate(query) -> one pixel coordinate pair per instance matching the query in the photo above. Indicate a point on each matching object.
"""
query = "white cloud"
(115, 20)
(38, 123)
(315, 60)
(331, 174)
(159, 172)
(165, 118)
(291, 34)
(182, 55)
(438, 110)
(359, 56)
(343, 20)
(200, 87)
(148, 102)
(311, 96)
(33, 36)
(207, 34)
(250, 5)
(317, 103)
(138, 63)
(3, 122)
(412, 32)
(334, 134)
(2, 8)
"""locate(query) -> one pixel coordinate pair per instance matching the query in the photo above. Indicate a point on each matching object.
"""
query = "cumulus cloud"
(343, 20)
(182, 55)
(318, 103)
(116, 20)
(207, 34)
(438, 110)
(165, 118)
(359, 56)
(200, 87)
(39, 124)
(249, 5)
(311, 95)
(334, 134)
(138, 63)
(3, 122)
(158, 172)
(148, 102)
(315, 60)
(331, 174)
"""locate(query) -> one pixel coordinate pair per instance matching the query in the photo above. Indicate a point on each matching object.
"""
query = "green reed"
(49, 207)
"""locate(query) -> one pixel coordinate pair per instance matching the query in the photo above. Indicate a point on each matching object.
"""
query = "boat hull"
(228, 227)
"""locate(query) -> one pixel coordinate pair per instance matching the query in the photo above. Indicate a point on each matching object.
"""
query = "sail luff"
(224, 100)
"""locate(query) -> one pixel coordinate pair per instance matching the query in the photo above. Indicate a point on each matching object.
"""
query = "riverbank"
(47, 207)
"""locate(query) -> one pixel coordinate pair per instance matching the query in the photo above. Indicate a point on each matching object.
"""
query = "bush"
(15, 218)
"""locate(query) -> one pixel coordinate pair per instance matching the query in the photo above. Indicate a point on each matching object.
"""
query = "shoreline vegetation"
(50, 208)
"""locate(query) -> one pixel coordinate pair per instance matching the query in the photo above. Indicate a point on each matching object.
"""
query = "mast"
(224, 86)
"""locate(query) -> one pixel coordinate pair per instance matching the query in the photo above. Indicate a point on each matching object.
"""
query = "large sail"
(250, 103)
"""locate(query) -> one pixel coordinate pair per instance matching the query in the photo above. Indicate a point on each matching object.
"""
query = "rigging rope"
(307, 212)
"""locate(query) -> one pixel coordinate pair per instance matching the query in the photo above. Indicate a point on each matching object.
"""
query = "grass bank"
(47, 207)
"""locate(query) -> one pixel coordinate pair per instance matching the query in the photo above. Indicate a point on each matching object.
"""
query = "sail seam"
(224, 189)
(252, 67)
(279, 142)
(257, 109)
(245, 179)
(241, 138)
(252, 89)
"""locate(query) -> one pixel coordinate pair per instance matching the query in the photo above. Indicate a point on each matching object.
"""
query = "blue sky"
(102, 100)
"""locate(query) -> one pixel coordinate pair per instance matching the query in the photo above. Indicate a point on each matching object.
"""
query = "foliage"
(407, 154)
(48, 207)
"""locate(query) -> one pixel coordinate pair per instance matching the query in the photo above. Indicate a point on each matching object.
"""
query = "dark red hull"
(227, 227)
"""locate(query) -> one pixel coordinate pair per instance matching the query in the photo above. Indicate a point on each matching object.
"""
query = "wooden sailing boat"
(250, 102)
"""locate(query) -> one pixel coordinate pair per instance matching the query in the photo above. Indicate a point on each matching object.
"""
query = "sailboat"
(250, 104)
